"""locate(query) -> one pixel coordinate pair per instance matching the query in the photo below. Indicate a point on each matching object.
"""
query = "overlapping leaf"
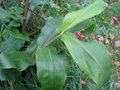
(17, 60)
(11, 44)
(50, 68)
(16, 34)
(49, 31)
(4, 13)
(74, 18)
(92, 57)
(80, 26)
(32, 47)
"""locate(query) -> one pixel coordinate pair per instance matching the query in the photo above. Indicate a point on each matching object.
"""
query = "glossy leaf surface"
(49, 31)
(17, 60)
(92, 57)
(50, 68)
(74, 18)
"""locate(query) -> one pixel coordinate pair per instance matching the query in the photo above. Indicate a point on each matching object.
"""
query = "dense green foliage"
(48, 44)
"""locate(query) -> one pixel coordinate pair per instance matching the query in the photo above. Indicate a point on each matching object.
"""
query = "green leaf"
(50, 68)
(11, 44)
(17, 60)
(16, 18)
(4, 13)
(17, 10)
(92, 57)
(49, 31)
(74, 18)
(23, 36)
(8, 74)
(13, 17)
(14, 24)
(80, 26)
(32, 47)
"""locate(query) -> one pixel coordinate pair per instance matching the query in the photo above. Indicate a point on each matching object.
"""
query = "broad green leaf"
(8, 74)
(74, 18)
(11, 44)
(81, 26)
(92, 57)
(16, 34)
(17, 60)
(49, 31)
(4, 13)
(50, 68)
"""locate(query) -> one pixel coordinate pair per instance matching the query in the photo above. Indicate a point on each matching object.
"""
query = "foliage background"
(27, 80)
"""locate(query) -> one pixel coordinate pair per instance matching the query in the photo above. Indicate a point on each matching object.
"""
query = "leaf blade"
(16, 34)
(74, 18)
(49, 31)
(98, 66)
(11, 44)
(50, 68)
(4, 13)
(17, 60)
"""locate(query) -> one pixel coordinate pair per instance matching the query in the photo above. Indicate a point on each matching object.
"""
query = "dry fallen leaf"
(117, 43)
(116, 63)
(83, 82)
(100, 38)
(112, 36)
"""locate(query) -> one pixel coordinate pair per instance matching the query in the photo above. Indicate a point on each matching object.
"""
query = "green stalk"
(55, 38)
(25, 15)
(11, 84)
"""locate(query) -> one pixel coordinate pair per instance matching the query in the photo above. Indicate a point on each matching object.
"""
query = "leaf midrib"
(89, 54)
(51, 59)
(92, 57)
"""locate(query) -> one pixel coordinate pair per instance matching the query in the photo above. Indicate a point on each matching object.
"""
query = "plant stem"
(25, 15)
(33, 12)
(54, 39)
(11, 84)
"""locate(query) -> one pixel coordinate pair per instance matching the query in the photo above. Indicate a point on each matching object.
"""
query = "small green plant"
(91, 56)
